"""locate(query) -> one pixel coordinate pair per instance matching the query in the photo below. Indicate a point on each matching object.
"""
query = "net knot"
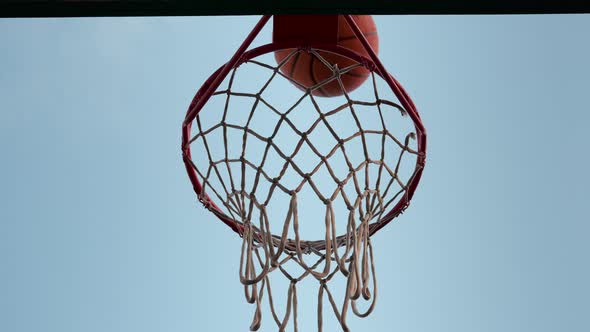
(206, 202)
(307, 250)
(306, 48)
(370, 65)
(404, 207)
(422, 160)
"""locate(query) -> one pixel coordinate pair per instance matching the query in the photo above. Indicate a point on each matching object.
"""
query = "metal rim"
(205, 92)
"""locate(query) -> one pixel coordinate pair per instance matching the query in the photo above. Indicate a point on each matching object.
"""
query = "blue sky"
(100, 229)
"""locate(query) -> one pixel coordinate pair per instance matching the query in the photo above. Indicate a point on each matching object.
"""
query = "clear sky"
(100, 229)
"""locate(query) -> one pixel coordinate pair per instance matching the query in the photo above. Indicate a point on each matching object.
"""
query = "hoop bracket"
(306, 29)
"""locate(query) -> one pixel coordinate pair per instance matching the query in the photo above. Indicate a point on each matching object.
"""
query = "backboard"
(82, 8)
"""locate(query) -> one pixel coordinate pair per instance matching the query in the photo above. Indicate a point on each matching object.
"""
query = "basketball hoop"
(359, 186)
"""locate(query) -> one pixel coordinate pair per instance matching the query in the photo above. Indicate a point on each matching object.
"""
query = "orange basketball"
(308, 70)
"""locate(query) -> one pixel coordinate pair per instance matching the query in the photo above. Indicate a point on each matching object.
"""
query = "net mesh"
(266, 163)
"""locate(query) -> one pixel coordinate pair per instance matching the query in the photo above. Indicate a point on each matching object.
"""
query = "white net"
(289, 167)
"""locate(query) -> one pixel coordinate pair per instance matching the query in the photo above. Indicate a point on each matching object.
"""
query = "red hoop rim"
(207, 89)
